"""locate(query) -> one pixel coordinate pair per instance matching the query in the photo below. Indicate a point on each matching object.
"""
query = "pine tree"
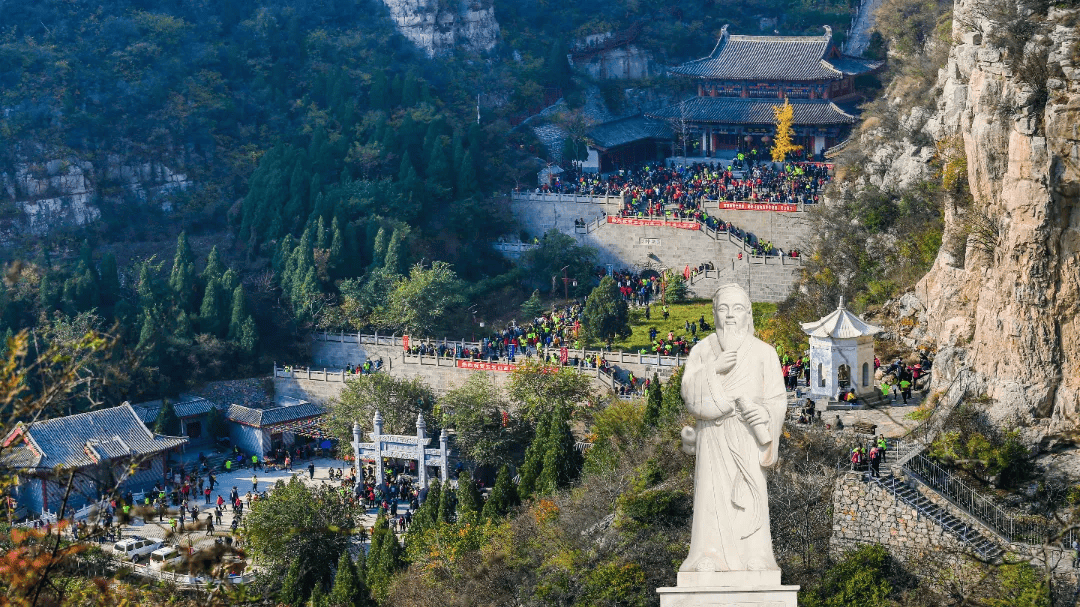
(214, 268)
(394, 262)
(318, 596)
(292, 588)
(182, 278)
(322, 240)
(336, 259)
(446, 505)
(229, 281)
(239, 314)
(782, 143)
(210, 310)
(348, 589)
(428, 514)
(503, 496)
(379, 252)
(655, 402)
(384, 559)
(379, 93)
(534, 460)
(183, 330)
(468, 498)
(145, 288)
(467, 184)
(606, 315)
(561, 452)
(249, 336)
(532, 307)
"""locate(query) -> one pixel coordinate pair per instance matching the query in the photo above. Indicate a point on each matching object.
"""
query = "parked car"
(135, 547)
(162, 557)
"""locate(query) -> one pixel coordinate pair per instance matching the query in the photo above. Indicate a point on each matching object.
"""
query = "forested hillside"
(323, 155)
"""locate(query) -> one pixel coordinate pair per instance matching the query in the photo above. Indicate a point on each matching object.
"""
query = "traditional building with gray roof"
(627, 142)
(103, 449)
(744, 77)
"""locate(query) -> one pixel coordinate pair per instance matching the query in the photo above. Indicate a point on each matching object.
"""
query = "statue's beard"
(730, 336)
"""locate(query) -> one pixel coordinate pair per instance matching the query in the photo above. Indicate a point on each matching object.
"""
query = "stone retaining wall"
(647, 247)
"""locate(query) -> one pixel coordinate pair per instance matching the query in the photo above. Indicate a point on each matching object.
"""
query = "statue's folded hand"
(689, 440)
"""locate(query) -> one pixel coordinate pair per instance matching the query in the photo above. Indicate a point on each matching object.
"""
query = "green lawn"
(679, 314)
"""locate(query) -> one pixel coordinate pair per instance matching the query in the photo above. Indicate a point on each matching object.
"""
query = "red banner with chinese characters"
(483, 366)
(405, 342)
(658, 223)
(759, 206)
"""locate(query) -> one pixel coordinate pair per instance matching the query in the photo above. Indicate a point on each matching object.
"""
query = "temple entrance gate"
(402, 447)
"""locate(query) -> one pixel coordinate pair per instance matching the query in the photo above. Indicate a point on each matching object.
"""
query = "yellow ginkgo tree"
(782, 144)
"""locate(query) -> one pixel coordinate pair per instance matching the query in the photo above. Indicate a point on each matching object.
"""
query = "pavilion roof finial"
(841, 306)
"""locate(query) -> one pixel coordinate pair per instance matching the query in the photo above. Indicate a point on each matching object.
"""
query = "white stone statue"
(733, 385)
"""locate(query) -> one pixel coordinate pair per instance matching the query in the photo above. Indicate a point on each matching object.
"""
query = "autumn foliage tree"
(782, 144)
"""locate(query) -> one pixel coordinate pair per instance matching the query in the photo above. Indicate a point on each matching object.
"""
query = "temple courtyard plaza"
(241, 479)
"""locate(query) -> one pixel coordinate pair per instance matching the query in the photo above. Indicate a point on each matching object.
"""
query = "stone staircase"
(983, 546)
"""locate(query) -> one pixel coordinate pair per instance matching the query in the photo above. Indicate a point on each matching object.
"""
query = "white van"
(164, 556)
(132, 548)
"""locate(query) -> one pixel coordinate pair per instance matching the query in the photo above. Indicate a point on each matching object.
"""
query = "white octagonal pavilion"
(841, 354)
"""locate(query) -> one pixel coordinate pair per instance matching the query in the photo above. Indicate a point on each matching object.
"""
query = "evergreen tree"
(446, 505)
(249, 336)
(336, 259)
(183, 330)
(410, 92)
(412, 190)
(394, 261)
(50, 292)
(378, 95)
(229, 281)
(322, 240)
(532, 307)
(606, 314)
(440, 172)
(239, 313)
(348, 589)
(384, 562)
(210, 320)
(379, 252)
(534, 460)
(468, 498)
(318, 596)
(654, 403)
(562, 451)
(214, 268)
(467, 183)
(145, 289)
(292, 588)
(182, 278)
(167, 422)
(503, 496)
(428, 514)
(673, 405)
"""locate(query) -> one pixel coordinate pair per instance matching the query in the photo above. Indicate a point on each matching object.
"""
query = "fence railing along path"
(613, 357)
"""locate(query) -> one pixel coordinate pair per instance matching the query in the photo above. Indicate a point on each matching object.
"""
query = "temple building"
(745, 76)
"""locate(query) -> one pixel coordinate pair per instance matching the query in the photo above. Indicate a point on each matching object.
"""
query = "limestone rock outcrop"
(438, 27)
(1002, 301)
(40, 196)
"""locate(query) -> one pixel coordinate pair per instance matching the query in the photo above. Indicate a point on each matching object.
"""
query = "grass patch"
(678, 316)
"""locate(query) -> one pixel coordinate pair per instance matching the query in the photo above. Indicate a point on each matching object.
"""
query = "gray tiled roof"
(737, 110)
(195, 405)
(761, 58)
(77, 440)
(628, 130)
(259, 418)
(186, 406)
(148, 412)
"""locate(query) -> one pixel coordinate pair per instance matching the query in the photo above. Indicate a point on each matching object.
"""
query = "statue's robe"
(731, 506)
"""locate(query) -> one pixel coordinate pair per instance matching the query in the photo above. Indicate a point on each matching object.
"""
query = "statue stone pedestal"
(729, 589)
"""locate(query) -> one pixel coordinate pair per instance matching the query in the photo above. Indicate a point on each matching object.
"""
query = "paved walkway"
(859, 37)
(241, 479)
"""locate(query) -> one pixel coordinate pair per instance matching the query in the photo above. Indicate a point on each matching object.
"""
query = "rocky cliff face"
(440, 26)
(1002, 301)
(38, 197)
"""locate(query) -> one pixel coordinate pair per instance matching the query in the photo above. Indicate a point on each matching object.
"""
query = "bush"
(859, 579)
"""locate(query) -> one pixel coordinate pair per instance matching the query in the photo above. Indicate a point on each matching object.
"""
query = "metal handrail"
(1011, 528)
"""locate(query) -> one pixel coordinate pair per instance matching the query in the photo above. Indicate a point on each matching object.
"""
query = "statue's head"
(733, 316)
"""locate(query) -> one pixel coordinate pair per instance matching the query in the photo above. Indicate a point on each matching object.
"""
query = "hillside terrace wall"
(768, 279)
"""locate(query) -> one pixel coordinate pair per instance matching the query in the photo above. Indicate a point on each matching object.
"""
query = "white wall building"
(841, 354)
